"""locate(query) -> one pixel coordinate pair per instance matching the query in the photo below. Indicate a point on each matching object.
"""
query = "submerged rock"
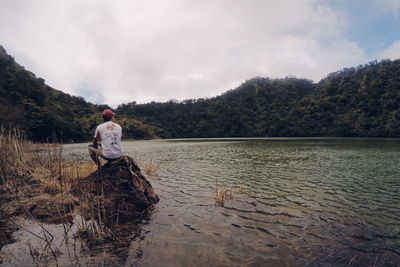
(119, 188)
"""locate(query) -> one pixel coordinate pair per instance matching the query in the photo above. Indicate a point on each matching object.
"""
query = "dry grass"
(22, 161)
(77, 170)
(38, 169)
(62, 182)
(240, 189)
(223, 194)
(151, 168)
(37, 182)
(13, 160)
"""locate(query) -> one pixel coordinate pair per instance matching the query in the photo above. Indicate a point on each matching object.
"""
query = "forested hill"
(257, 108)
(354, 102)
(47, 114)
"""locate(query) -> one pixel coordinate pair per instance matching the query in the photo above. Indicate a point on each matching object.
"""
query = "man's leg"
(94, 154)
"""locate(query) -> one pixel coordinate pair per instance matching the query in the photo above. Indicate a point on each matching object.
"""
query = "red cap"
(108, 113)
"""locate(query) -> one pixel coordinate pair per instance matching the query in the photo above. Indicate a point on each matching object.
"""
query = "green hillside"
(259, 107)
(47, 114)
(355, 102)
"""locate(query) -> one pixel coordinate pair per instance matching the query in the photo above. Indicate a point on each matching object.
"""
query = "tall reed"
(14, 162)
(40, 170)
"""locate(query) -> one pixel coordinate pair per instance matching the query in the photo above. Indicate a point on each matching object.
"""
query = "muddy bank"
(6, 230)
(12, 197)
(26, 200)
(101, 212)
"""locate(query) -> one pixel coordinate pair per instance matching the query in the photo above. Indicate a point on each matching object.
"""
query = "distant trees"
(46, 114)
(259, 107)
(363, 101)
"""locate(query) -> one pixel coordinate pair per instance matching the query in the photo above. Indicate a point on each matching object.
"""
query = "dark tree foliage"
(355, 102)
(46, 114)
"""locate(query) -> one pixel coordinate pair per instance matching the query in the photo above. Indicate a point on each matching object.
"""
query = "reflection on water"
(69, 244)
(305, 202)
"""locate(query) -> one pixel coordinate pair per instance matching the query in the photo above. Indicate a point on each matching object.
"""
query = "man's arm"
(96, 140)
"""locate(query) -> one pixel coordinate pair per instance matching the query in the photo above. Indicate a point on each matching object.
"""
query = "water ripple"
(305, 202)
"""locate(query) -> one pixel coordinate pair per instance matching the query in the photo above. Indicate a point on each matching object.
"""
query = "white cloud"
(392, 52)
(131, 50)
(393, 5)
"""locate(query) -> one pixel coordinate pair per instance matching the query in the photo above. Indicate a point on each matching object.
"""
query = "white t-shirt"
(110, 135)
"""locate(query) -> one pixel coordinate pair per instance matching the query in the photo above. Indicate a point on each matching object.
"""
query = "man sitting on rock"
(109, 133)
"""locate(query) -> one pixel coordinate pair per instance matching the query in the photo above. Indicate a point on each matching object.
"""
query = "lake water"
(304, 202)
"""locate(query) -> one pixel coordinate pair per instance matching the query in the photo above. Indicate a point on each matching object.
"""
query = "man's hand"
(96, 141)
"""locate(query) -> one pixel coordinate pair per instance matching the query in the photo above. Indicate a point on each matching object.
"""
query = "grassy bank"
(35, 184)
(38, 171)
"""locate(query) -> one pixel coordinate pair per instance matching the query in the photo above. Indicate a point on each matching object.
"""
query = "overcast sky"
(118, 51)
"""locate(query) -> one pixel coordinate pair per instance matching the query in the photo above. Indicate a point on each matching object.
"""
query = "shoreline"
(36, 190)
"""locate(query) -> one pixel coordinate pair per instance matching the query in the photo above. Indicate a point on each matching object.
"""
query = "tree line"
(49, 115)
(363, 101)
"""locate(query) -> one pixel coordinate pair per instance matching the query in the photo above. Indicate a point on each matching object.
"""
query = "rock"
(119, 188)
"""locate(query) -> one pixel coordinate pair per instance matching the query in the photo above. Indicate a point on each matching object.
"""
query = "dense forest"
(48, 115)
(355, 102)
(259, 107)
